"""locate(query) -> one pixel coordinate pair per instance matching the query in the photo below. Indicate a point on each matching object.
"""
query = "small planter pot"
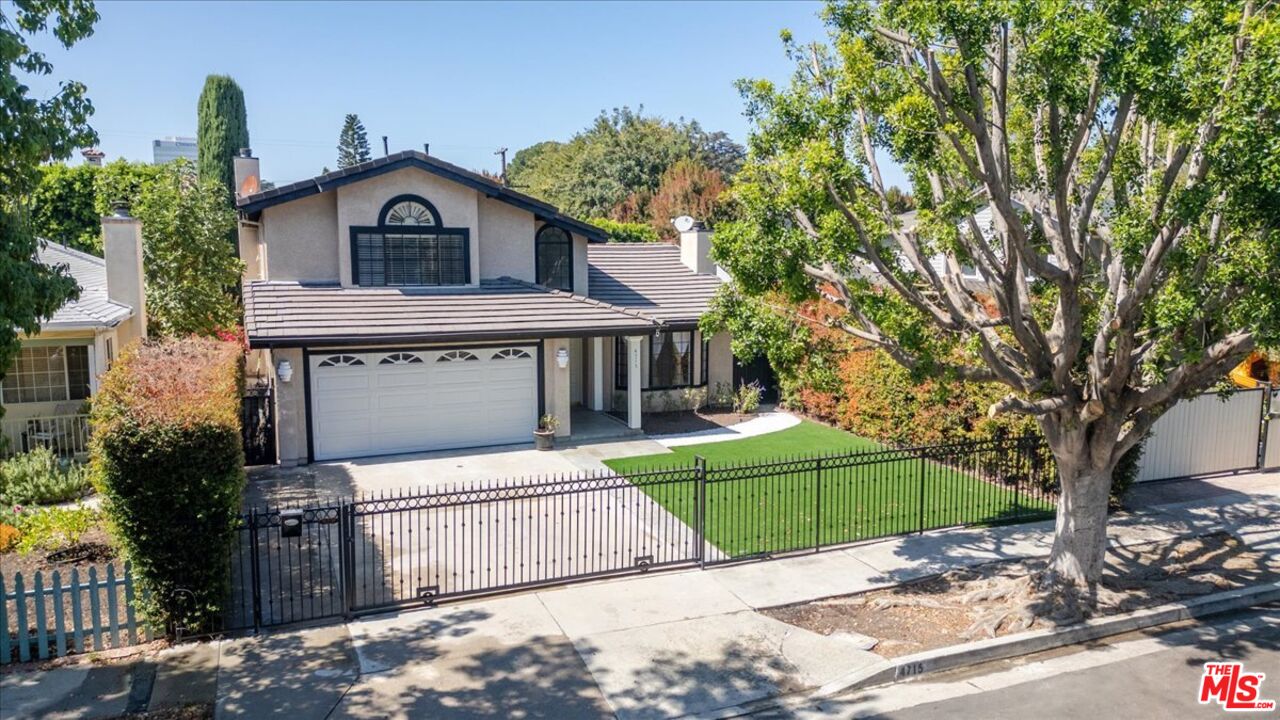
(544, 439)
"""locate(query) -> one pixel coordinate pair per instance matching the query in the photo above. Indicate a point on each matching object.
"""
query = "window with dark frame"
(706, 352)
(553, 256)
(620, 364)
(671, 360)
(409, 248)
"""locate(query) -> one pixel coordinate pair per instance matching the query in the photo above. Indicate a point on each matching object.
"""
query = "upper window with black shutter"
(409, 246)
(553, 250)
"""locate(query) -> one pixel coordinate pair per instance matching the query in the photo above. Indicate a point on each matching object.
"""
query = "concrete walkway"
(768, 422)
(660, 645)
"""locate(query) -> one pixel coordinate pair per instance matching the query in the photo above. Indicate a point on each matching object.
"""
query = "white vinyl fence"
(1272, 460)
(1204, 435)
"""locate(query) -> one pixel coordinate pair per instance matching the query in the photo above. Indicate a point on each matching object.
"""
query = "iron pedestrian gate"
(414, 548)
(257, 426)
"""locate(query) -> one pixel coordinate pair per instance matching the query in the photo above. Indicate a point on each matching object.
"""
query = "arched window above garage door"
(511, 354)
(400, 359)
(341, 361)
(456, 356)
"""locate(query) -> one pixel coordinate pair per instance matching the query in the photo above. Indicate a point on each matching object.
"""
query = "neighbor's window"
(671, 359)
(47, 374)
(553, 255)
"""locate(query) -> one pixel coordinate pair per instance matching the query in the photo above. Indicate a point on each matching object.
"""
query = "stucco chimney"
(247, 175)
(122, 249)
(695, 245)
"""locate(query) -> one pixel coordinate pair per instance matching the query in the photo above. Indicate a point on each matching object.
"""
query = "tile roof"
(650, 279)
(417, 159)
(295, 314)
(92, 309)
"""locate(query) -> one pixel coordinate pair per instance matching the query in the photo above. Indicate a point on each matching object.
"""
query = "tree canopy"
(34, 131)
(1126, 154)
(353, 142)
(222, 129)
(190, 275)
(616, 167)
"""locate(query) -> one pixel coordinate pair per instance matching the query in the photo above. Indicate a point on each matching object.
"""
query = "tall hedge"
(167, 456)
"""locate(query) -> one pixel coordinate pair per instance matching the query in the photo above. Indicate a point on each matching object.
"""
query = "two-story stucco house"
(406, 304)
(46, 385)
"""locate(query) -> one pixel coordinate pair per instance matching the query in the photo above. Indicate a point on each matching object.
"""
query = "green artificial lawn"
(752, 511)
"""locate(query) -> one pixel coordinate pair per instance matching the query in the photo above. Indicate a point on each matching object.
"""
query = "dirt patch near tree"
(962, 605)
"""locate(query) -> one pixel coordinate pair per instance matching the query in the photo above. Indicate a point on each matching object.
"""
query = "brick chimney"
(695, 245)
(122, 249)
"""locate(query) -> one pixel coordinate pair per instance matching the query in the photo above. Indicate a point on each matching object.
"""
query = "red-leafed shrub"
(167, 456)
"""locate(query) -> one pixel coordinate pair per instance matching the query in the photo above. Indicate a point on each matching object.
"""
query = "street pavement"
(1153, 674)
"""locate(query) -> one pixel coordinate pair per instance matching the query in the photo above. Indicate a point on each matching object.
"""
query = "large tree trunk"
(1080, 539)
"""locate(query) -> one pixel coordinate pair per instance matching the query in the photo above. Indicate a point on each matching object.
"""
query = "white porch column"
(597, 374)
(633, 382)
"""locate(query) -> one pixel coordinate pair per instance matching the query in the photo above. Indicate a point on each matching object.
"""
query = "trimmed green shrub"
(625, 232)
(40, 477)
(167, 456)
(55, 528)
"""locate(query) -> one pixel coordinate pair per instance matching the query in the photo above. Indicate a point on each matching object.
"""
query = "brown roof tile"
(650, 279)
(294, 314)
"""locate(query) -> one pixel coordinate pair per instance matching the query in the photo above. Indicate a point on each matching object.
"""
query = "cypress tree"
(353, 143)
(222, 130)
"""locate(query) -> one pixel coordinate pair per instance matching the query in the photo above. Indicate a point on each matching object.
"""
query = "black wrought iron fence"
(412, 548)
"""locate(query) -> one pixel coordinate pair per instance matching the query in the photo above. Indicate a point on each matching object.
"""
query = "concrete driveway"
(450, 523)
(397, 474)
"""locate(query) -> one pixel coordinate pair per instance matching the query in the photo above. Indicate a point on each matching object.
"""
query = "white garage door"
(379, 403)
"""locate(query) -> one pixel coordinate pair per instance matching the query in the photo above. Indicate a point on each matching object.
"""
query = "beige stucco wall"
(310, 239)
(557, 384)
(291, 408)
(506, 241)
(302, 239)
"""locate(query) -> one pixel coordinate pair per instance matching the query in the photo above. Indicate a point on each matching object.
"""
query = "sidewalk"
(659, 645)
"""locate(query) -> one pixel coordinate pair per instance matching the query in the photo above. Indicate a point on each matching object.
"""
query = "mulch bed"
(181, 712)
(94, 550)
(673, 423)
(964, 605)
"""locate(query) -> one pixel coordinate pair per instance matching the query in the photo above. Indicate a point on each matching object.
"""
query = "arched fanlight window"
(409, 210)
(456, 356)
(553, 254)
(511, 354)
(341, 361)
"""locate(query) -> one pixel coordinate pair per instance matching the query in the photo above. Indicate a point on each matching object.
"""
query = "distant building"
(171, 148)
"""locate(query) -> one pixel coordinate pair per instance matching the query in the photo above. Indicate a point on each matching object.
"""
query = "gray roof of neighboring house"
(254, 203)
(284, 314)
(650, 279)
(93, 309)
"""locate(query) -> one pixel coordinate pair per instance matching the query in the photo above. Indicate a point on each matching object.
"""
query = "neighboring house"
(45, 387)
(405, 304)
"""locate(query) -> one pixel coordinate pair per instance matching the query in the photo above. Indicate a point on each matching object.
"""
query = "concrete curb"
(909, 667)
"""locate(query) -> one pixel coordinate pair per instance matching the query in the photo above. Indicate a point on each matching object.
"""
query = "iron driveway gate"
(483, 538)
(413, 548)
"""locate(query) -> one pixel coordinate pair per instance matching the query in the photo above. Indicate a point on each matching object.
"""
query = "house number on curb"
(909, 670)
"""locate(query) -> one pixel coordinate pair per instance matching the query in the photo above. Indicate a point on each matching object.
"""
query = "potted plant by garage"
(544, 438)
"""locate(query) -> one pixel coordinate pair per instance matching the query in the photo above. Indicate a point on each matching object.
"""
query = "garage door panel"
(382, 408)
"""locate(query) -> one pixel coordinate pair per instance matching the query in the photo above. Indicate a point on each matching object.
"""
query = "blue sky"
(468, 78)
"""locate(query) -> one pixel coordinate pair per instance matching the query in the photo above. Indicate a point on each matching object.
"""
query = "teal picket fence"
(68, 613)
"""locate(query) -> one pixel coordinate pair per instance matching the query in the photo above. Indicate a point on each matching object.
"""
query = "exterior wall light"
(562, 357)
(284, 371)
